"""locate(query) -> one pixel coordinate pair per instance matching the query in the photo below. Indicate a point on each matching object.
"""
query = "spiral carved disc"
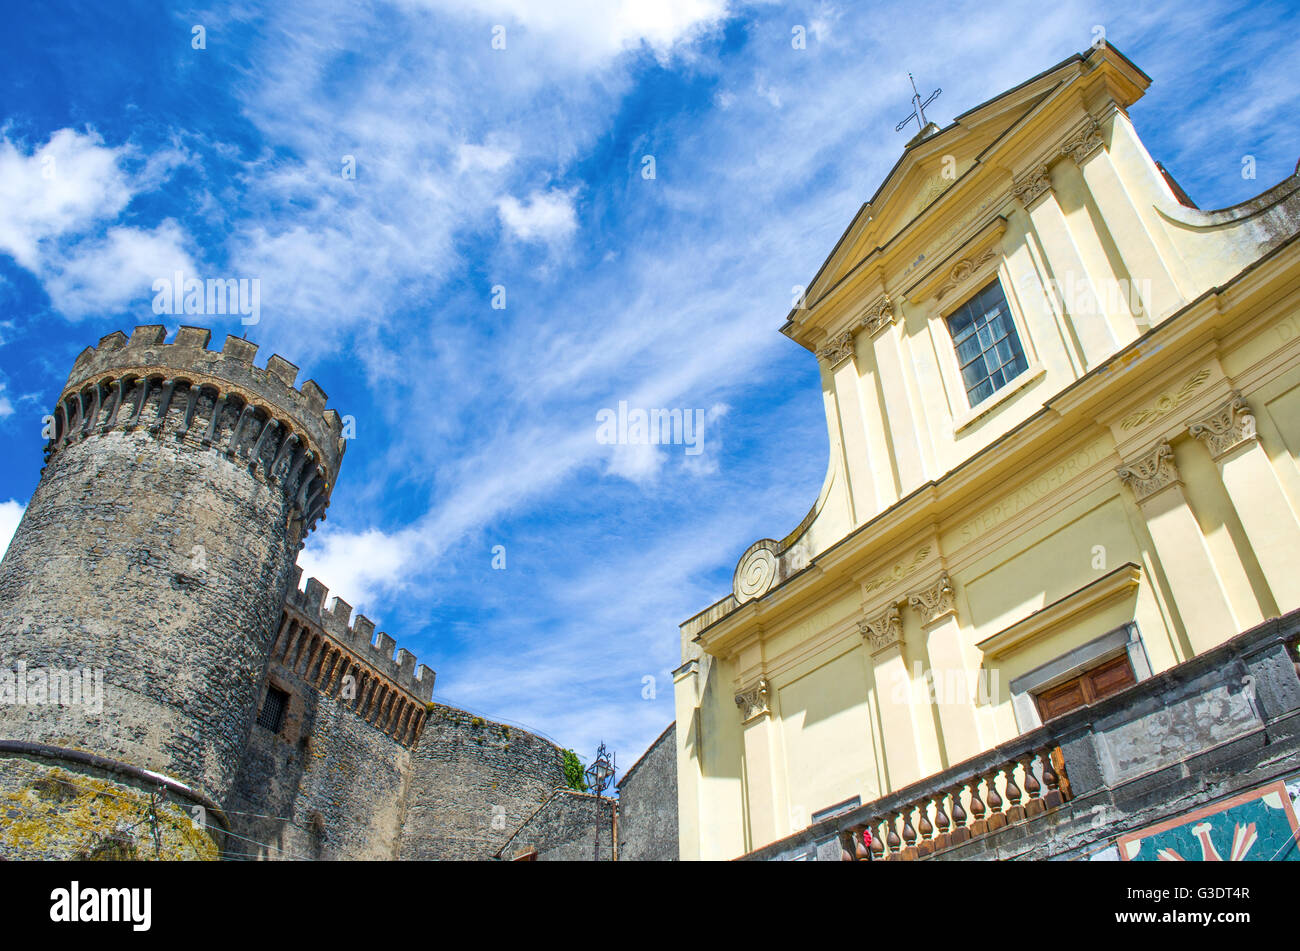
(755, 574)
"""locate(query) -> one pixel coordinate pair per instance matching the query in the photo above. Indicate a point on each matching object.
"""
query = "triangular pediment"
(927, 170)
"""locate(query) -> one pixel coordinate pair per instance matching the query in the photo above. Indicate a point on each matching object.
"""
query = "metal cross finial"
(918, 107)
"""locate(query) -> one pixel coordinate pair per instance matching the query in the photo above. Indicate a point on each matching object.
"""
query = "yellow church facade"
(1064, 418)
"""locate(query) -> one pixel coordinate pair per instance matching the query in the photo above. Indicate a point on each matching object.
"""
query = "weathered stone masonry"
(159, 548)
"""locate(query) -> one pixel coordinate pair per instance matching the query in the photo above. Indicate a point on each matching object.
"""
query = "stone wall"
(473, 783)
(327, 785)
(647, 804)
(570, 827)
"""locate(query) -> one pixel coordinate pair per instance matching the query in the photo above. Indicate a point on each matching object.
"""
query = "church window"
(988, 347)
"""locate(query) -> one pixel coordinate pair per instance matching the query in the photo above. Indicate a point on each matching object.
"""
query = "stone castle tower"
(234, 715)
(178, 488)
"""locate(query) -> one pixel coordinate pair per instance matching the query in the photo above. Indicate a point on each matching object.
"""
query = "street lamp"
(599, 776)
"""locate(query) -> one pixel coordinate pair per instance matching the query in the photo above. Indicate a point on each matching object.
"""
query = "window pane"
(987, 346)
(967, 350)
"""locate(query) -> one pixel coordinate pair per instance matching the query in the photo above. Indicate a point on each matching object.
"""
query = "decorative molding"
(884, 630)
(1167, 403)
(880, 315)
(899, 571)
(1227, 427)
(753, 702)
(936, 601)
(1031, 186)
(1105, 591)
(1150, 473)
(838, 350)
(964, 270)
(756, 573)
(1084, 141)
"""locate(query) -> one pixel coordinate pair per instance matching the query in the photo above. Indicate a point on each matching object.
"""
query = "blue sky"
(522, 167)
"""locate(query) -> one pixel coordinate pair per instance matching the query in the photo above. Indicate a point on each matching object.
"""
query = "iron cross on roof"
(918, 107)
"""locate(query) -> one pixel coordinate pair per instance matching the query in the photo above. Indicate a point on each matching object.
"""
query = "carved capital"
(882, 631)
(1031, 186)
(753, 702)
(839, 349)
(879, 316)
(1150, 473)
(1083, 141)
(934, 602)
(1227, 427)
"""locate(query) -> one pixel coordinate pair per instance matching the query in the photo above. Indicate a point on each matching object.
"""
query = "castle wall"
(473, 783)
(647, 804)
(570, 827)
(328, 785)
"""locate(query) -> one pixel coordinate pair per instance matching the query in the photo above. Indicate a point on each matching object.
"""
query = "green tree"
(573, 771)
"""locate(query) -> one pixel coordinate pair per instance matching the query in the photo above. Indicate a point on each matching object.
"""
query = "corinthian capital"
(1227, 427)
(935, 601)
(882, 631)
(839, 349)
(1150, 473)
(753, 702)
(1031, 186)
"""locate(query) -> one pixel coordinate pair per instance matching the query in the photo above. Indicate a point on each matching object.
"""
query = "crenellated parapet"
(325, 646)
(217, 400)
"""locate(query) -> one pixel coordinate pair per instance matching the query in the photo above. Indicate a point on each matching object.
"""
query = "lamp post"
(599, 775)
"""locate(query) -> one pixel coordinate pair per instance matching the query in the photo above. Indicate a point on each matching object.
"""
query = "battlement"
(359, 637)
(186, 359)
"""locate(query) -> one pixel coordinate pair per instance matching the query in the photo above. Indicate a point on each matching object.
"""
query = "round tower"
(154, 555)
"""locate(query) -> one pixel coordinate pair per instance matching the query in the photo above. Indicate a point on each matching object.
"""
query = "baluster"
(996, 819)
(978, 824)
(878, 840)
(895, 845)
(1052, 798)
(941, 840)
(959, 831)
(1014, 812)
(909, 834)
(860, 851)
(1033, 804)
(925, 844)
(846, 844)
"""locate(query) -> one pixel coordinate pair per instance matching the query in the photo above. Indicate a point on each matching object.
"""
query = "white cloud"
(358, 566)
(636, 462)
(482, 158)
(109, 273)
(588, 33)
(543, 216)
(53, 202)
(70, 182)
(11, 514)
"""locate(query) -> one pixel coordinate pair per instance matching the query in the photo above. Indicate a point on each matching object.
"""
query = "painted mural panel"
(1255, 826)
